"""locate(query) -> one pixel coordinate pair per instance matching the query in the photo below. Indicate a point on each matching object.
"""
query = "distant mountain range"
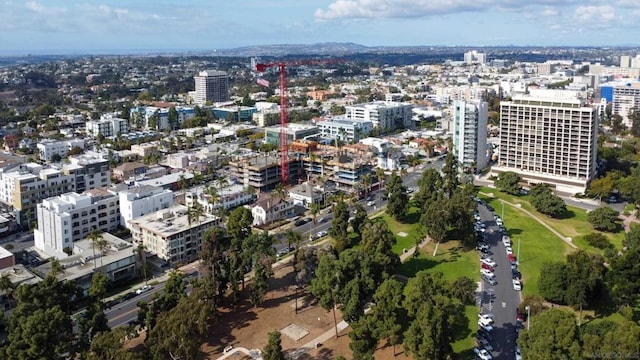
(329, 48)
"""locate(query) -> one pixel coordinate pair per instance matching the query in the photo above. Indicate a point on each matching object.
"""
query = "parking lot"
(499, 297)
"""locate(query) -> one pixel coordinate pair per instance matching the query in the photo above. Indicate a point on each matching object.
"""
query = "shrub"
(598, 240)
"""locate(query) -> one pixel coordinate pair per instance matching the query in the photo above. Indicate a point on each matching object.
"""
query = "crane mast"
(284, 117)
(284, 104)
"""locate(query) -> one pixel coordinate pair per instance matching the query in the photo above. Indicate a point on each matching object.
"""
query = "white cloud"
(550, 12)
(601, 14)
(342, 9)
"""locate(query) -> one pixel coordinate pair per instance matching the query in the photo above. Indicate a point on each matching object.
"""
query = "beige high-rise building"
(552, 141)
(211, 86)
(625, 61)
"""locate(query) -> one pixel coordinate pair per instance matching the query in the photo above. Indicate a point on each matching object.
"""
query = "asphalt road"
(505, 300)
(126, 311)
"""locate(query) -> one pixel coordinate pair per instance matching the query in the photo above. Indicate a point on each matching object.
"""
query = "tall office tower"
(211, 86)
(625, 61)
(550, 141)
(470, 134)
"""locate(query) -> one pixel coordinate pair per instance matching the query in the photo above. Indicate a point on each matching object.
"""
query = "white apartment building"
(107, 127)
(142, 200)
(171, 235)
(47, 148)
(71, 217)
(88, 172)
(229, 197)
(626, 97)
(142, 115)
(385, 116)
(550, 141)
(347, 130)
(475, 57)
(470, 134)
(211, 86)
(24, 186)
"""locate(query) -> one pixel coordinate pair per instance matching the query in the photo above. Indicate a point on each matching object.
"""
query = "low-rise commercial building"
(116, 258)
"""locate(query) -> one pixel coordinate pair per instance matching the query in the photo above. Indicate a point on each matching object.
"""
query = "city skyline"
(58, 26)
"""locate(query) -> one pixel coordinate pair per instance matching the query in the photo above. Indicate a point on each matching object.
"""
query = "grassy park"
(574, 224)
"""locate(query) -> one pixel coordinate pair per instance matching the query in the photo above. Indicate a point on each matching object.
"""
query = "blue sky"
(58, 26)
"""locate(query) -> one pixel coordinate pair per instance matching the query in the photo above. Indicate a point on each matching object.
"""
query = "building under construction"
(345, 166)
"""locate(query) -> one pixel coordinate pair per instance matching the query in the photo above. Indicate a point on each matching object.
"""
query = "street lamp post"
(502, 217)
(528, 316)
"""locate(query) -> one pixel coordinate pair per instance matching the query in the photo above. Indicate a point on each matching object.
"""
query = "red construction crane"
(284, 103)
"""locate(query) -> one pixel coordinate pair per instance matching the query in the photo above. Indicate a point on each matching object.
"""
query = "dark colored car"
(129, 296)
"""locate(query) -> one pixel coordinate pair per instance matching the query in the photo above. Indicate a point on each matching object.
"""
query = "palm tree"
(280, 190)
(403, 172)
(213, 197)
(366, 182)
(315, 209)
(96, 240)
(380, 175)
(183, 182)
(428, 149)
(142, 259)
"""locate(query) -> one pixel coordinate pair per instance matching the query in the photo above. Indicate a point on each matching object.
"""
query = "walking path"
(554, 231)
(627, 220)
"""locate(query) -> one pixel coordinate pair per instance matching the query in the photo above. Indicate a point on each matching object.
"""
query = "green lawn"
(465, 342)
(538, 244)
(451, 260)
(573, 225)
(411, 227)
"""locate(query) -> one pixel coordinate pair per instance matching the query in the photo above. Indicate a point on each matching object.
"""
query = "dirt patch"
(248, 326)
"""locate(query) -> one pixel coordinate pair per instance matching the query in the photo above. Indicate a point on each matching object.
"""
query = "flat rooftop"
(171, 221)
(83, 262)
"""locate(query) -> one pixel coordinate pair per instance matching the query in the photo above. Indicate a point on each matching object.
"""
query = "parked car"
(517, 285)
(489, 262)
(487, 328)
(487, 273)
(371, 203)
(490, 279)
(299, 222)
(129, 296)
(483, 354)
(143, 289)
(518, 354)
(487, 267)
(509, 250)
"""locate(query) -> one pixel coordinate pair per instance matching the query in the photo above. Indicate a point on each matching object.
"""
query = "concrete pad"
(294, 332)
(403, 234)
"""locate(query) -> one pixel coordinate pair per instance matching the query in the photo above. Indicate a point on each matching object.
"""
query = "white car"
(371, 203)
(517, 286)
(488, 273)
(487, 328)
(483, 354)
(143, 289)
(506, 240)
(509, 250)
(486, 317)
(485, 321)
(489, 262)
(518, 354)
